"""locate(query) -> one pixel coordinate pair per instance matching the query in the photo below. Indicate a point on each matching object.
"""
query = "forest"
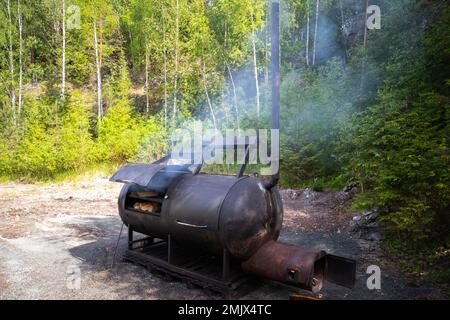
(87, 83)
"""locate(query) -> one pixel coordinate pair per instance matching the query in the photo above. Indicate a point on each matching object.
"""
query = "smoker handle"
(191, 225)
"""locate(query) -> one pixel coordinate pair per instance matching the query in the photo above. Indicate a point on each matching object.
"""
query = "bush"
(74, 142)
(36, 152)
(119, 134)
(403, 162)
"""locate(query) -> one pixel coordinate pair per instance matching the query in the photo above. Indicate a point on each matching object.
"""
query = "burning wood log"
(147, 206)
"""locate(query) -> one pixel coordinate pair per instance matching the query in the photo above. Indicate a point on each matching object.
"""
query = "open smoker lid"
(154, 176)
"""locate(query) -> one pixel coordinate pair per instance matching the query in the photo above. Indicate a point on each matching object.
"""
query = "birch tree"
(63, 62)
(267, 50)
(344, 40)
(12, 89)
(255, 65)
(177, 56)
(307, 32)
(98, 72)
(20, 21)
(366, 6)
(256, 9)
(100, 26)
(164, 49)
(147, 79)
(203, 48)
(315, 31)
(150, 46)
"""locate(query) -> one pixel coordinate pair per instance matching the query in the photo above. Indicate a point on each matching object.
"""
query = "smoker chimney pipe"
(276, 81)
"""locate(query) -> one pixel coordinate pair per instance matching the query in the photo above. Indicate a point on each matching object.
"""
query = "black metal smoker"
(215, 229)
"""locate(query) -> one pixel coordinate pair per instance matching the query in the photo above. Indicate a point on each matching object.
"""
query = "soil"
(48, 233)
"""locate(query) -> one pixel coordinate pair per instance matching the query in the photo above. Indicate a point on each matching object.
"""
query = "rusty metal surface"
(303, 268)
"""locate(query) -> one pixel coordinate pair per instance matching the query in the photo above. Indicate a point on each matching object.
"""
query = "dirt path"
(49, 232)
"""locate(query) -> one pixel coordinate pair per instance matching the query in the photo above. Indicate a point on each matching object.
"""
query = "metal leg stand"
(130, 238)
(226, 265)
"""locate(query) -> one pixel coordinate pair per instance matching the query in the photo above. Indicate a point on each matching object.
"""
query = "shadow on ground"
(136, 281)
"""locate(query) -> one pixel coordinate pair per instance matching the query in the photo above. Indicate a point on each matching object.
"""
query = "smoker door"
(192, 209)
(154, 177)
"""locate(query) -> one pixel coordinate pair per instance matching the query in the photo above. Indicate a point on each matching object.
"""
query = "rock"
(309, 194)
(350, 189)
(375, 237)
(371, 215)
(366, 225)
(373, 225)
(347, 188)
(292, 194)
(354, 227)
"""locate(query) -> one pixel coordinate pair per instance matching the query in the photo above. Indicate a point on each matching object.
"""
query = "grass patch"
(104, 170)
(431, 262)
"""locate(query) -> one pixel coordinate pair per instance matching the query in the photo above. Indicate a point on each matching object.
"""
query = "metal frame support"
(246, 159)
(225, 265)
(169, 249)
(130, 238)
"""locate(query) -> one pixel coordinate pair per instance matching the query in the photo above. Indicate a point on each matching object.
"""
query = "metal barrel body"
(212, 212)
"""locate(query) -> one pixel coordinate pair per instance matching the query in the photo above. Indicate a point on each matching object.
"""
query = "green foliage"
(401, 143)
(55, 142)
(73, 139)
(123, 133)
(119, 134)
(154, 142)
(36, 154)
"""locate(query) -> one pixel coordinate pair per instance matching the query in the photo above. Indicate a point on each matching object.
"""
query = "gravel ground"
(49, 232)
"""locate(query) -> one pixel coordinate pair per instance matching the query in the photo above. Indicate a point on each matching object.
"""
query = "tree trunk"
(267, 55)
(177, 34)
(235, 104)
(225, 94)
(344, 39)
(255, 65)
(236, 108)
(315, 31)
(19, 15)
(213, 116)
(11, 63)
(363, 68)
(99, 76)
(307, 32)
(63, 73)
(147, 84)
(365, 24)
(165, 73)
